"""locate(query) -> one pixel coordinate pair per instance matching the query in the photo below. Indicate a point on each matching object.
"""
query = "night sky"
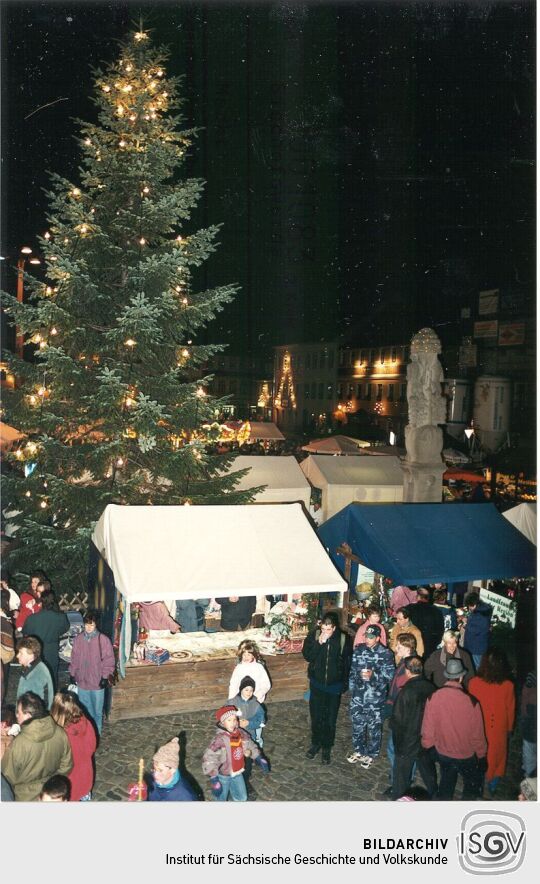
(372, 163)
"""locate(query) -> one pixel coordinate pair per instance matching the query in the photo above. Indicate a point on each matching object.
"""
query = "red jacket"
(453, 723)
(82, 739)
(29, 605)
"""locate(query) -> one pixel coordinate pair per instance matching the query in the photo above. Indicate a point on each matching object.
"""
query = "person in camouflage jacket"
(372, 670)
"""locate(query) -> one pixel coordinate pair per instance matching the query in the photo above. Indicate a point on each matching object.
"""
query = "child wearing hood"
(251, 712)
(249, 663)
(167, 783)
(224, 759)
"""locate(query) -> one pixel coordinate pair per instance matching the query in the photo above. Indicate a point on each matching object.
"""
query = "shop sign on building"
(486, 328)
(511, 334)
(488, 302)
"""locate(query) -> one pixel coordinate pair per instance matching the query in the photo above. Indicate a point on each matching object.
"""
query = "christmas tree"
(113, 406)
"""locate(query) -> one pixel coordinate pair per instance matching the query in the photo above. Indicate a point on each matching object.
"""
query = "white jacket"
(257, 672)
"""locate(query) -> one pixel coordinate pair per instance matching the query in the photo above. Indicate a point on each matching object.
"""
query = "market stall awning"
(264, 431)
(167, 552)
(418, 543)
(523, 517)
(343, 480)
(282, 476)
(8, 436)
(335, 445)
(458, 474)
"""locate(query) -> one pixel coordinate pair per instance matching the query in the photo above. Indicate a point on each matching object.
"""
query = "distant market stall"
(141, 554)
(282, 476)
(343, 445)
(343, 480)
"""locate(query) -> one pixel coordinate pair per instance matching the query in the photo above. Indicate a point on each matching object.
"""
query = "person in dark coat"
(477, 627)
(48, 625)
(167, 782)
(236, 612)
(435, 665)
(406, 727)
(428, 619)
(328, 651)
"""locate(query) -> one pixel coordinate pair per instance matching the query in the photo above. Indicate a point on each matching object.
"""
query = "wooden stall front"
(193, 685)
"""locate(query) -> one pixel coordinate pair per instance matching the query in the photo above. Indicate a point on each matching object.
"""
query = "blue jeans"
(528, 762)
(93, 703)
(477, 659)
(235, 785)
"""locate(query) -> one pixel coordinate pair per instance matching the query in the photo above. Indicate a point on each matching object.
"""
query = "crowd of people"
(431, 675)
(446, 693)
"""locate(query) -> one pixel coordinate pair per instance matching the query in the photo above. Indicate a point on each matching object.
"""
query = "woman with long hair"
(82, 738)
(494, 690)
(249, 663)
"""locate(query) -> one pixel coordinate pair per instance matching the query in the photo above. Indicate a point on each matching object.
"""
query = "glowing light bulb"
(120, 110)
(41, 392)
(179, 240)
(120, 462)
(129, 67)
(133, 117)
(200, 393)
(142, 241)
(43, 504)
(47, 235)
(88, 141)
(130, 342)
(28, 494)
(54, 330)
(146, 189)
(185, 302)
(106, 88)
(75, 192)
(122, 143)
(129, 402)
(159, 73)
(48, 290)
(140, 35)
(33, 400)
(42, 345)
(127, 88)
(185, 353)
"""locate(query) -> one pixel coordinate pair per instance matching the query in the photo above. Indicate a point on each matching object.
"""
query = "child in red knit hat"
(224, 759)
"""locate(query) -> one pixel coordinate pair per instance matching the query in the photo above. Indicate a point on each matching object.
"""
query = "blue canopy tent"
(420, 543)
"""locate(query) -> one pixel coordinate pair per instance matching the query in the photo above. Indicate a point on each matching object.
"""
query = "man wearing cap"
(453, 731)
(167, 784)
(224, 759)
(372, 670)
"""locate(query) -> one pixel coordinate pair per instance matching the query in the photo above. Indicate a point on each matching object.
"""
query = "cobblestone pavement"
(286, 739)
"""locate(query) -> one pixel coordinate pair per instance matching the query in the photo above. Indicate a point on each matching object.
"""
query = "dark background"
(372, 163)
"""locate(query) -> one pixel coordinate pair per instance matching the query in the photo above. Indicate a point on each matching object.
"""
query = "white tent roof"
(335, 445)
(523, 517)
(264, 431)
(166, 552)
(344, 480)
(283, 477)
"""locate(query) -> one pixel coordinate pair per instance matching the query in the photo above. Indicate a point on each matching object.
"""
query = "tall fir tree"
(113, 405)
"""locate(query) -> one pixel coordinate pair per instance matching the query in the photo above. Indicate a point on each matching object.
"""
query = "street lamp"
(24, 257)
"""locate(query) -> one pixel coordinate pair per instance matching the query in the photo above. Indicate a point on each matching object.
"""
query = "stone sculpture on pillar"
(423, 467)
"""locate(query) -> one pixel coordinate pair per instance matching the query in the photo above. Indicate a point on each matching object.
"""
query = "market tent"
(379, 450)
(418, 543)
(282, 476)
(335, 445)
(8, 436)
(343, 480)
(264, 431)
(523, 517)
(168, 552)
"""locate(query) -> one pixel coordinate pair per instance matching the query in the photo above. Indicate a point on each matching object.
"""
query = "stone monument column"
(423, 466)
